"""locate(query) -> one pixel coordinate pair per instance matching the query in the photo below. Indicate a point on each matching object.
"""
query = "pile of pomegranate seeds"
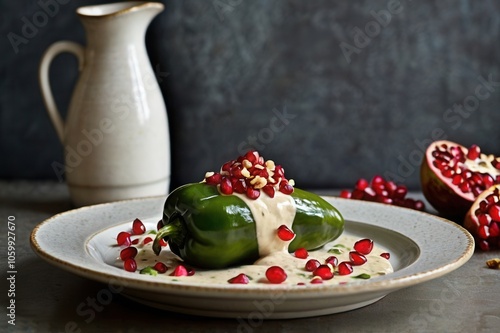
(471, 171)
(383, 191)
(250, 174)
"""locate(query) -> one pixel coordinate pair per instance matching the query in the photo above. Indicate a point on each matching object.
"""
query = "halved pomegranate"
(483, 219)
(452, 176)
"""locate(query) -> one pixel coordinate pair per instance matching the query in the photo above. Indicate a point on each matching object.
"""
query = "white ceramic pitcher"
(115, 136)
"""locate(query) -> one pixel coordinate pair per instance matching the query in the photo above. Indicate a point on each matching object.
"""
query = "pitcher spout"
(120, 22)
(120, 8)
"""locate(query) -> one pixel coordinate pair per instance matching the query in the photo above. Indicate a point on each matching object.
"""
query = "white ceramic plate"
(422, 247)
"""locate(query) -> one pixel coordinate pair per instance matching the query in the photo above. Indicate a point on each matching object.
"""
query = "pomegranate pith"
(453, 176)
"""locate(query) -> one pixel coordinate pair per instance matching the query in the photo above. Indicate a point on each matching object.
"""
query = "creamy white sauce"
(269, 214)
(294, 267)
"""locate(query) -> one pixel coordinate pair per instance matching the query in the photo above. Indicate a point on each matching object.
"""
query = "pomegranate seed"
(491, 199)
(484, 245)
(474, 152)
(345, 194)
(377, 180)
(494, 212)
(284, 233)
(253, 193)
(269, 190)
(419, 205)
(129, 252)
(240, 186)
(191, 272)
(325, 272)
(147, 240)
(276, 274)
(483, 232)
(123, 238)
(369, 194)
(160, 267)
(179, 271)
(361, 184)
(239, 279)
(301, 253)
(364, 246)
(496, 163)
(386, 255)
(286, 189)
(227, 166)
(159, 225)
(357, 194)
(252, 156)
(332, 260)
(356, 258)
(279, 171)
(400, 192)
(391, 187)
(456, 180)
(465, 187)
(483, 219)
(214, 179)
(345, 268)
(225, 186)
(138, 227)
(494, 229)
(163, 242)
(312, 264)
(130, 265)
(135, 241)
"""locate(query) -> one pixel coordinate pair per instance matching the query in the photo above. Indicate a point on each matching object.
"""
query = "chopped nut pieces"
(493, 263)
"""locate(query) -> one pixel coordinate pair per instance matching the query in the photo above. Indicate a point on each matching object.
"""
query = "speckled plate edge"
(433, 235)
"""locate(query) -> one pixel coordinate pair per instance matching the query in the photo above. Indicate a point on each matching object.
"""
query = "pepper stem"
(174, 230)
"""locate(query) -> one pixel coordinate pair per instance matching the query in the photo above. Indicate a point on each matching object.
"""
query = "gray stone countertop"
(48, 298)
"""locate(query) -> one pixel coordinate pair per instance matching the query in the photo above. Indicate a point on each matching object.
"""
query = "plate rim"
(231, 291)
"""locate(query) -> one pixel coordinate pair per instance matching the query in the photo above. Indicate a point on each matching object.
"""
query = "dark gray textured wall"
(228, 67)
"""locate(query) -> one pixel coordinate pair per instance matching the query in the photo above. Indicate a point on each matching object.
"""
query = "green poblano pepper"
(210, 230)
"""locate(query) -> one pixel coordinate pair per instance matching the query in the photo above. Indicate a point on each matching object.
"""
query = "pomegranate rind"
(445, 197)
(471, 223)
(441, 195)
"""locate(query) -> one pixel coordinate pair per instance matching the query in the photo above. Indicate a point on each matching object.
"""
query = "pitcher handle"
(43, 76)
